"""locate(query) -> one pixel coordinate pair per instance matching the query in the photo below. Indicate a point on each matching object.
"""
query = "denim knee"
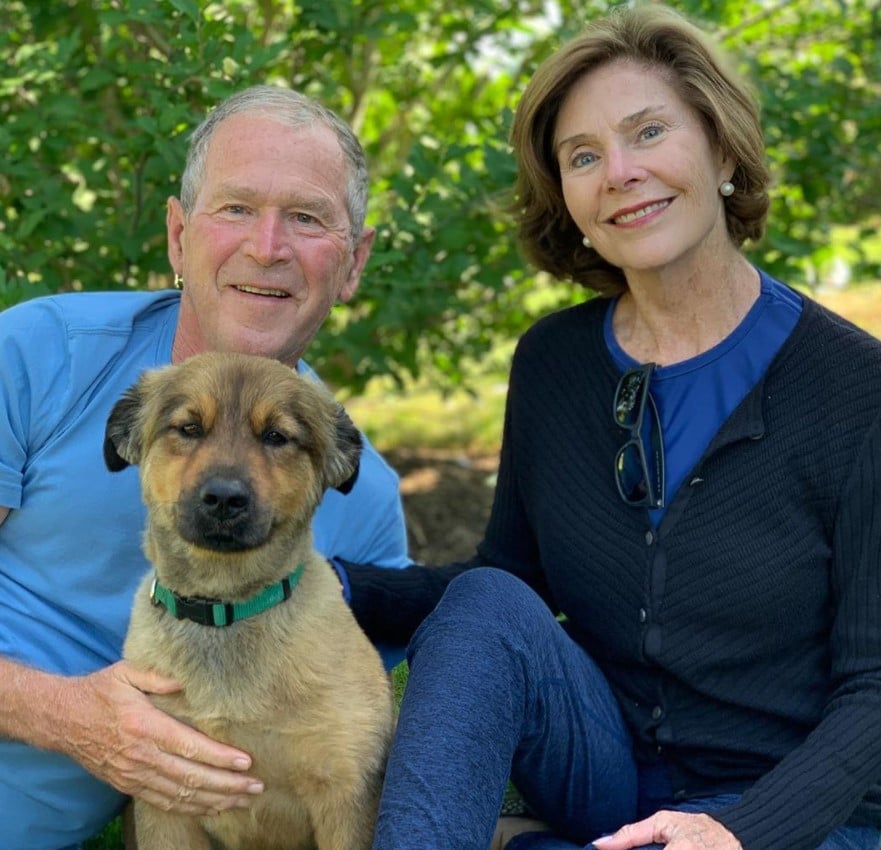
(481, 607)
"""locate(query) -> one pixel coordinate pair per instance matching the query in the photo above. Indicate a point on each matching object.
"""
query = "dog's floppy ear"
(343, 461)
(122, 434)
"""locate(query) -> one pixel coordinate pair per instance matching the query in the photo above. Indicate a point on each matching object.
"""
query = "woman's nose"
(622, 168)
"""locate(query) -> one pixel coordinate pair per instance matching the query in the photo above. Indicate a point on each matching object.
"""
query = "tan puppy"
(235, 453)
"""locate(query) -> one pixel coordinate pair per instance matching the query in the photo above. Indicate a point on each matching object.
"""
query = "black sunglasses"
(640, 484)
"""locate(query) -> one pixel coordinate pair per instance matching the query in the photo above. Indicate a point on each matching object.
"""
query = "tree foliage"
(98, 98)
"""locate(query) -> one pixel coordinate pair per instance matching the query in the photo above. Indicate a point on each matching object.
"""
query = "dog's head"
(232, 448)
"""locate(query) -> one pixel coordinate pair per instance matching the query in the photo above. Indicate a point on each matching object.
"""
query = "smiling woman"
(641, 182)
(663, 636)
(702, 82)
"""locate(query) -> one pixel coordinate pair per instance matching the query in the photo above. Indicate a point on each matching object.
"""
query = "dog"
(234, 453)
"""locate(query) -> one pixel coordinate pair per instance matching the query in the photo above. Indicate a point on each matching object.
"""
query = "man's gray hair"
(292, 109)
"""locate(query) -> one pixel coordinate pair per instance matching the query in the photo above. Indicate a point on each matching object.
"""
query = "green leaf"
(190, 8)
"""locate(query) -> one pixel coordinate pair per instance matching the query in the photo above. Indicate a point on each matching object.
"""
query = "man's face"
(267, 249)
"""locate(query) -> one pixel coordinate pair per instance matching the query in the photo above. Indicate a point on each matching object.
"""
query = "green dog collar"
(214, 612)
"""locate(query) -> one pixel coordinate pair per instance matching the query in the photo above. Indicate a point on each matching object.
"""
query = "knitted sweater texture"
(742, 637)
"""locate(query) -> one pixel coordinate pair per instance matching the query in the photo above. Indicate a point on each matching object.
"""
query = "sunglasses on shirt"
(640, 483)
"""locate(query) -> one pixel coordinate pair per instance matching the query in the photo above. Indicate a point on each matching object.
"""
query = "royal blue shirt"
(694, 397)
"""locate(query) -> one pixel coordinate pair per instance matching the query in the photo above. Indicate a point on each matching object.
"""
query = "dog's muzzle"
(222, 513)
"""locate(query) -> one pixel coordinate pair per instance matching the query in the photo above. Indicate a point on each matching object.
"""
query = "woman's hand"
(673, 830)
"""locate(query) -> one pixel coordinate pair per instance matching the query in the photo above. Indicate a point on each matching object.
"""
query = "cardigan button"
(649, 537)
(657, 712)
(652, 641)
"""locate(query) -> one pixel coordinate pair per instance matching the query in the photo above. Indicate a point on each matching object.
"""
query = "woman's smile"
(639, 212)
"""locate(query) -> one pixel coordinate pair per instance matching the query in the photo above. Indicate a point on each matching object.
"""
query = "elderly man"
(267, 235)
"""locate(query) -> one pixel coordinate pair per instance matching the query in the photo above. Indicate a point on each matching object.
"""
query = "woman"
(690, 474)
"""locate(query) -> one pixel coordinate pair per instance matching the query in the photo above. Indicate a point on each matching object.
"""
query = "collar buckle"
(216, 612)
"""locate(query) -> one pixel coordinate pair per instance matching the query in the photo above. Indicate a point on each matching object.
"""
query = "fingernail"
(242, 763)
(255, 788)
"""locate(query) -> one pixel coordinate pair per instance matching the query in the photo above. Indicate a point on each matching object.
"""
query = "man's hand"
(116, 733)
(674, 830)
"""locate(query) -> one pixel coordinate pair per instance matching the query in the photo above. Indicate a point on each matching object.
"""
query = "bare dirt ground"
(447, 498)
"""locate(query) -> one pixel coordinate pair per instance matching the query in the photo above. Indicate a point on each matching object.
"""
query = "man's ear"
(174, 227)
(360, 255)
(122, 434)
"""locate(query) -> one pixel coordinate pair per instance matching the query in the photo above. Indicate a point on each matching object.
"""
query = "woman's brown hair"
(658, 38)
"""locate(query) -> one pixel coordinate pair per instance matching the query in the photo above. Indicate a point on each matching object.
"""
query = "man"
(267, 235)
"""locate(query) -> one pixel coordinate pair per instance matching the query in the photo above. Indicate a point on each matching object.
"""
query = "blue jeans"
(497, 690)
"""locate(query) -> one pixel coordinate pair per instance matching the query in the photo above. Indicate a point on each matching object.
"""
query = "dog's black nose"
(224, 498)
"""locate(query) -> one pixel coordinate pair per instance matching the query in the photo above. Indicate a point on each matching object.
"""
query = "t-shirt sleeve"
(34, 381)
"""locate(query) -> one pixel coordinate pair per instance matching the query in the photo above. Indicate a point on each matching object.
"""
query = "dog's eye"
(191, 430)
(274, 438)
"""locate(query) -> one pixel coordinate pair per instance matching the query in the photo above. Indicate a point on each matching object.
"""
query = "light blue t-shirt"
(70, 549)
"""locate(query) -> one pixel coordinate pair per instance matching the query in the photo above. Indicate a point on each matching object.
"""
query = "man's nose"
(269, 241)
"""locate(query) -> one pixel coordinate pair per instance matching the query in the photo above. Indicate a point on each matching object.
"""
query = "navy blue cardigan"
(743, 636)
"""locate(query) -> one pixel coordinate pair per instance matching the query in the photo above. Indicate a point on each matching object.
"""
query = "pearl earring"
(586, 242)
(726, 190)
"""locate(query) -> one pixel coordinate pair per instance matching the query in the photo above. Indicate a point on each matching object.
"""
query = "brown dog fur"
(299, 687)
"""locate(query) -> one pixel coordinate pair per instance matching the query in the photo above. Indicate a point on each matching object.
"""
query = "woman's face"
(639, 175)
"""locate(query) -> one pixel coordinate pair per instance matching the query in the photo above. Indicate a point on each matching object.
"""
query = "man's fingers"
(179, 775)
(146, 681)
(169, 795)
(196, 748)
(170, 735)
(147, 753)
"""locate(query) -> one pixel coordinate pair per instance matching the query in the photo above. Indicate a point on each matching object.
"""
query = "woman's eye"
(651, 132)
(582, 159)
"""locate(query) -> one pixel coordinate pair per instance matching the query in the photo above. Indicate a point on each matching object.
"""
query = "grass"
(109, 839)
(422, 418)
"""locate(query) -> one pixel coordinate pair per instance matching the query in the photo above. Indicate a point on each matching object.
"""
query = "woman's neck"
(667, 317)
